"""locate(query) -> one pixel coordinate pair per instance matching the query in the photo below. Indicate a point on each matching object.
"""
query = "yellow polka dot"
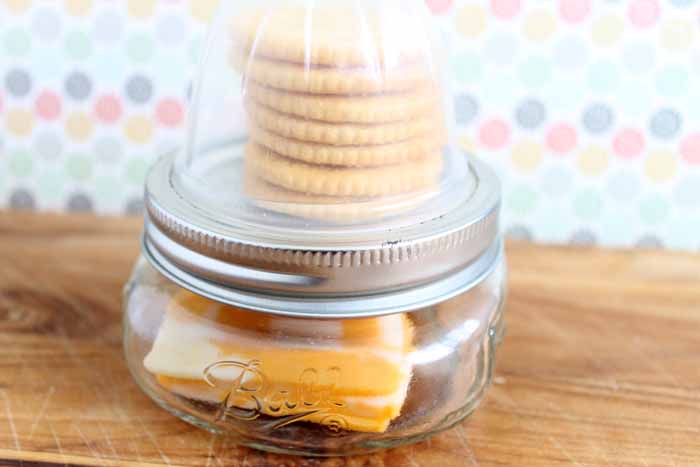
(471, 20)
(139, 129)
(539, 25)
(19, 122)
(17, 6)
(140, 8)
(593, 161)
(527, 155)
(661, 165)
(203, 10)
(467, 144)
(79, 126)
(677, 35)
(78, 7)
(607, 30)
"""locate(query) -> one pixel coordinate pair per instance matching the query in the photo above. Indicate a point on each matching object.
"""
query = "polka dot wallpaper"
(589, 110)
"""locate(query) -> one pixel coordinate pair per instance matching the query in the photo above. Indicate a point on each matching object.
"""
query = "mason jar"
(322, 271)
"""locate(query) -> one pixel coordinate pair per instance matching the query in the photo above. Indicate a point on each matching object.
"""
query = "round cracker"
(341, 134)
(368, 35)
(412, 149)
(294, 77)
(333, 181)
(379, 108)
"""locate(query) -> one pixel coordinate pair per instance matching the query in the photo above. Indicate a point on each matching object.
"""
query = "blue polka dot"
(466, 108)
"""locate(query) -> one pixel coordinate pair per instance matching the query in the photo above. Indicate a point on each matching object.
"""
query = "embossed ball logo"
(249, 394)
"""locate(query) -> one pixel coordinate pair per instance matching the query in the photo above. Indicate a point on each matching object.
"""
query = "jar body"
(312, 386)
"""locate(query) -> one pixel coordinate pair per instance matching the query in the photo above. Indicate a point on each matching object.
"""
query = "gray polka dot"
(583, 237)
(18, 82)
(22, 200)
(597, 118)
(46, 24)
(650, 241)
(556, 181)
(109, 26)
(519, 232)
(48, 144)
(108, 150)
(134, 207)
(665, 123)
(78, 86)
(466, 108)
(501, 49)
(530, 114)
(139, 89)
(171, 30)
(624, 186)
(79, 202)
(571, 53)
(638, 57)
(687, 191)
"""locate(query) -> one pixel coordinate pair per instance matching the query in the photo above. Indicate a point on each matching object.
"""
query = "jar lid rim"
(242, 266)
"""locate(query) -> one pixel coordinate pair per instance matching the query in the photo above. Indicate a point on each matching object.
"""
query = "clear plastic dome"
(323, 116)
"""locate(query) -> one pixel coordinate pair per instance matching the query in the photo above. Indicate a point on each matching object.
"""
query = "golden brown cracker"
(341, 134)
(329, 208)
(416, 148)
(327, 80)
(379, 108)
(333, 35)
(333, 181)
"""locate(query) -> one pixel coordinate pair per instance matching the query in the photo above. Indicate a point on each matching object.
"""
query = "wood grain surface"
(601, 364)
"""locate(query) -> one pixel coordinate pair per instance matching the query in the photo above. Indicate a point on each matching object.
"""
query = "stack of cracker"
(344, 120)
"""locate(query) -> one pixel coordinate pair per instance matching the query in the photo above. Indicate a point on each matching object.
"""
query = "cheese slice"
(350, 374)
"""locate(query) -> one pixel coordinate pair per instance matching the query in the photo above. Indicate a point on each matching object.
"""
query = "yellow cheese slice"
(351, 374)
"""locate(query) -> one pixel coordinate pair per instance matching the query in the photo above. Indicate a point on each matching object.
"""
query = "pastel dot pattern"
(587, 109)
(589, 112)
(85, 107)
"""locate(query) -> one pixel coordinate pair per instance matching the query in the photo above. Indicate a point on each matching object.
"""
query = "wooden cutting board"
(601, 364)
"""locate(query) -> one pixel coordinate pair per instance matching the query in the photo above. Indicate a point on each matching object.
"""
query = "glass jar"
(322, 267)
(313, 386)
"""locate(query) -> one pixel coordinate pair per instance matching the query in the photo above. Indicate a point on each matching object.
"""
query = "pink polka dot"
(628, 143)
(169, 112)
(494, 134)
(439, 7)
(574, 11)
(108, 108)
(505, 9)
(561, 138)
(644, 13)
(690, 148)
(48, 105)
